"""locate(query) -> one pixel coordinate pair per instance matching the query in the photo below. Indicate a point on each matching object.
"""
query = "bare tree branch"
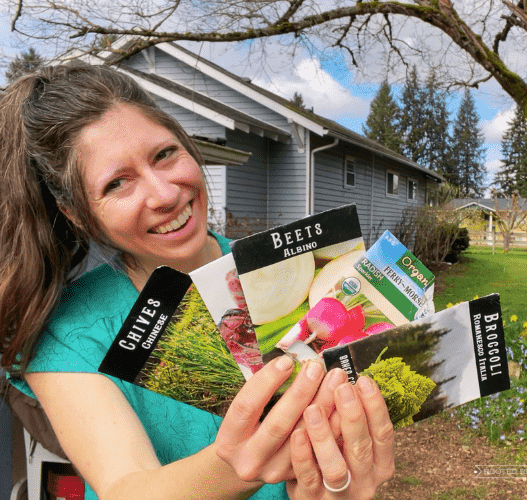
(351, 25)
(17, 15)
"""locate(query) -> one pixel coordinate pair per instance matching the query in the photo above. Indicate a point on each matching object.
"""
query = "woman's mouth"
(176, 223)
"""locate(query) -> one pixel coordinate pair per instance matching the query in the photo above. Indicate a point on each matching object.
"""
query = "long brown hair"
(41, 118)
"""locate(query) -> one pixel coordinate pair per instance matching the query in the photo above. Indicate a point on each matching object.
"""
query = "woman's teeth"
(176, 223)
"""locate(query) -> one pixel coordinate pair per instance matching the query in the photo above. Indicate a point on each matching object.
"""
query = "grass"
(413, 481)
(500, 417)
(481, 273)
(460, 494)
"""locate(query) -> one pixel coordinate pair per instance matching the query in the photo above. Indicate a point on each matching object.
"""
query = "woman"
(88, 157)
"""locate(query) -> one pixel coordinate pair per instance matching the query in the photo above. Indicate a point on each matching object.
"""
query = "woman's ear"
(66, 211)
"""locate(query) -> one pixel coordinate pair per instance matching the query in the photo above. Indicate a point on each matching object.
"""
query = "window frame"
(416, 189)
(396, 184)
(347, 160)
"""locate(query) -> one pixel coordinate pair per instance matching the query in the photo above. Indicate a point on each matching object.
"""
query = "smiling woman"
(147, 192)
(86, 156)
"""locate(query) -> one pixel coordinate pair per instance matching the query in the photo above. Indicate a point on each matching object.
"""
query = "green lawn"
(480, 273)
(502, 418)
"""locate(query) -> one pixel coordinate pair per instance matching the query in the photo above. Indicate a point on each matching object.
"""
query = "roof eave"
(356, 142)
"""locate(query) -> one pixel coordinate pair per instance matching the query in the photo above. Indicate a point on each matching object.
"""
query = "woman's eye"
(113, 185)
(165, 153)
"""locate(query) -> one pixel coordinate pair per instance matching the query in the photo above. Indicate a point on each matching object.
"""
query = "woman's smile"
(174, 224)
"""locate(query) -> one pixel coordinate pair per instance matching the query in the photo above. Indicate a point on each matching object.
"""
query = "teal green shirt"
(89, 316)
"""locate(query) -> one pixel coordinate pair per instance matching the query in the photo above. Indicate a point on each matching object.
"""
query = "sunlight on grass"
(481, 273)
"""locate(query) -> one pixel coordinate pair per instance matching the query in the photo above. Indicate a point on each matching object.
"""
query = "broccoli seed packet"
(432, 363)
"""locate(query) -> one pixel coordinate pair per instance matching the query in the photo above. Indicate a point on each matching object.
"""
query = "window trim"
(416, 183)
(353, 161)
(396, 175)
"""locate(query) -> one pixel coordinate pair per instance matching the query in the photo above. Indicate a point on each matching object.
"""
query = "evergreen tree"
(412, 118)
(512, 175)
(25, 63)
(298, 100)
(436, 124)
(467, 169)
(382, 124)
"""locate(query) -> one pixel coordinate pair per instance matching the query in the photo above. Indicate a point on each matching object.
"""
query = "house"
(268, 161)
(486, 207)
(483, 227)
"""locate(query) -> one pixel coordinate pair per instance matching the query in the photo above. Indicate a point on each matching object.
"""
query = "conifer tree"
(298, 100)
(412, 118)
(25, 63)
(382, 124)
(467, 169)
(436, 124)
(512, 175)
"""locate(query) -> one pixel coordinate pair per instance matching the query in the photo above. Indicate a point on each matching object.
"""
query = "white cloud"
(319, 90)
(494, 129)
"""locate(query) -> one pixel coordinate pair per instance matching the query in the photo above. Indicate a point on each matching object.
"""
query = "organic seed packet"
(391, 277)
(432, 363)
(170, 344)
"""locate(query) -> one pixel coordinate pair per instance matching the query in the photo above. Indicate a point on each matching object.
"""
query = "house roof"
(303, 117)
(485, 204)
(216, 111)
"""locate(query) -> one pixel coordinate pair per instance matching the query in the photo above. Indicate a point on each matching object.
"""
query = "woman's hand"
(261, 450)
(353, 468)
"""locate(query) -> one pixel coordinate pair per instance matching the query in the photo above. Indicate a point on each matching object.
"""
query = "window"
(412, 190)
(392, 183)
(349, 171)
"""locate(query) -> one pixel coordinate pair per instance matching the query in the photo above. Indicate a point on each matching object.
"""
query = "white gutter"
(310, 204)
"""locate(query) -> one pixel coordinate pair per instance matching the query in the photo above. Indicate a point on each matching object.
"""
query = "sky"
(327, 86)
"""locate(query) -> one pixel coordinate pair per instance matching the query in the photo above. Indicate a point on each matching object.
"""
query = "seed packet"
(170, 344)
(286, 271)
(433, 363)
(220, 288)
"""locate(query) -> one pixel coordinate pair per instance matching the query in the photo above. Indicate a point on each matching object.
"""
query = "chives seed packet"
(433, 363)
(170, 344)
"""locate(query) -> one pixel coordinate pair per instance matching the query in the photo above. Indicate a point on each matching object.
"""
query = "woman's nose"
(160, 191)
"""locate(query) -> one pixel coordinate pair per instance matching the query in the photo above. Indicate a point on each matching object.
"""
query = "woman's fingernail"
(347, 394)
(313, 414)
(313, 370)
(366, 385)
(336, 377)
(284, 363)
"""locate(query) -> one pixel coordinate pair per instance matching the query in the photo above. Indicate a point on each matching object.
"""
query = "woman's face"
(146, 190)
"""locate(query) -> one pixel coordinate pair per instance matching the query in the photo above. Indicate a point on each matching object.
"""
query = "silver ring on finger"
(338, 490)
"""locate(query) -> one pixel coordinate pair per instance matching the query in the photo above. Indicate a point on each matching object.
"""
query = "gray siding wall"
(271, 185)
(287, 183)
(193, 123)
(247, 184)
(216, 176)
(180, 72)
(377, 213)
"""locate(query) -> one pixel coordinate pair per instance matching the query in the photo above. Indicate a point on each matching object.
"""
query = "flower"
(450, 304)
(525, 324)
(514, 318)
(475, 297)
